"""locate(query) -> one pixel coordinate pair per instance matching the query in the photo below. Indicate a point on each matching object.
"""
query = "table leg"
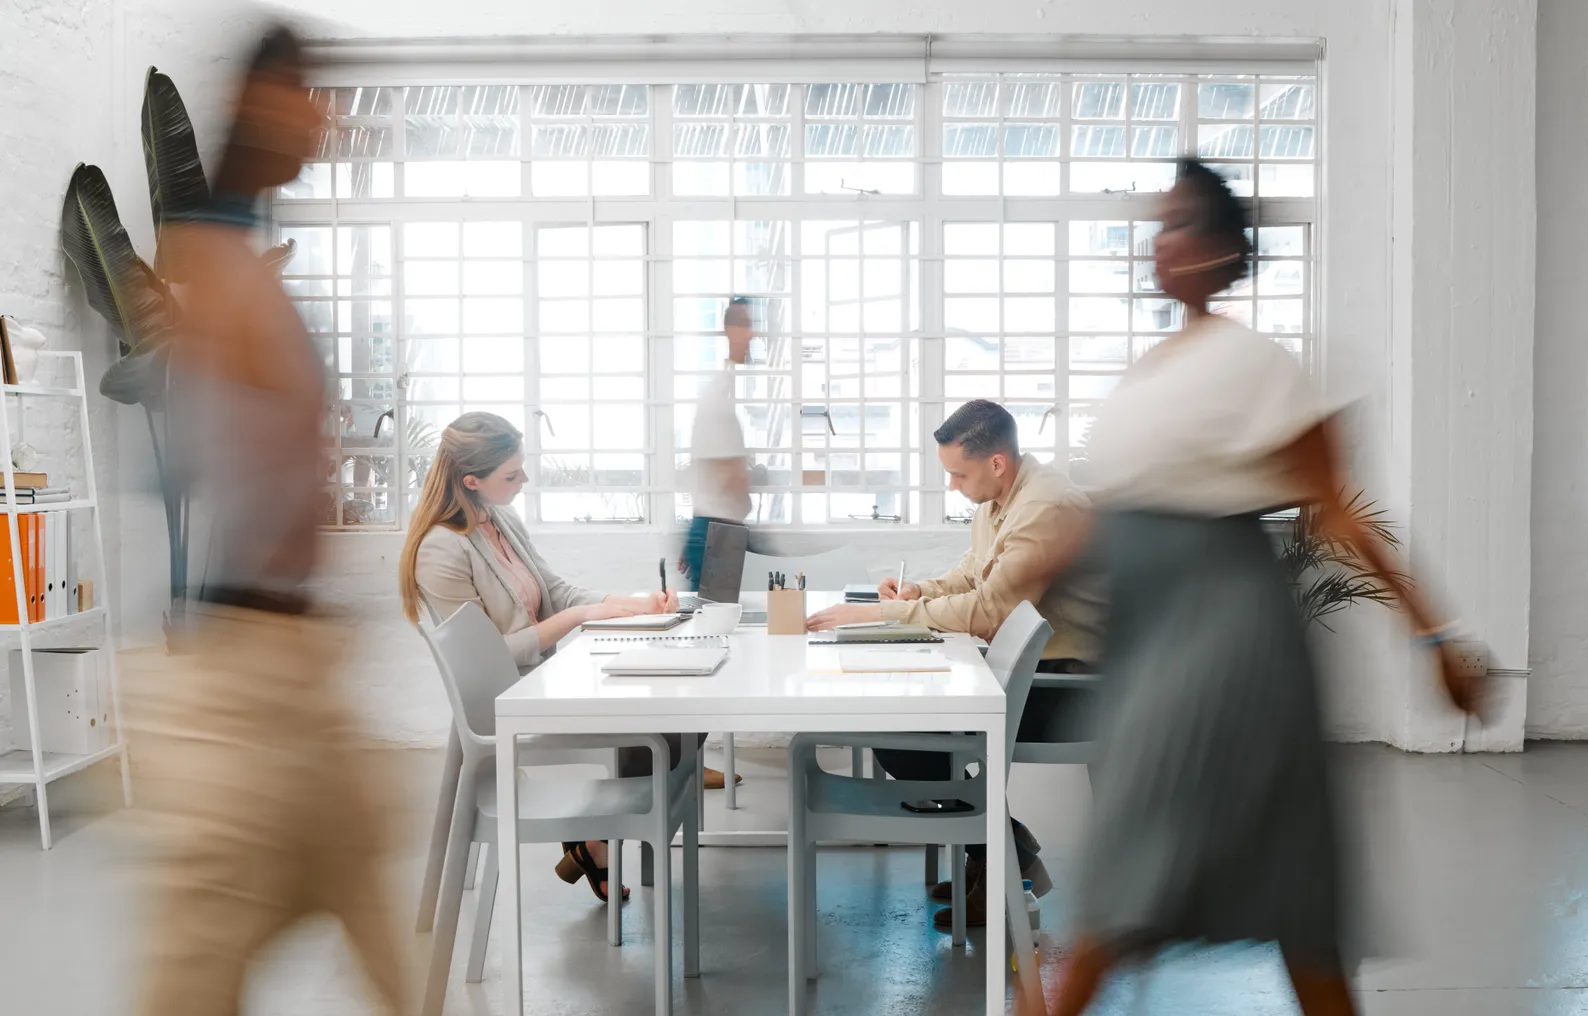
(997, 829)
(507, 866)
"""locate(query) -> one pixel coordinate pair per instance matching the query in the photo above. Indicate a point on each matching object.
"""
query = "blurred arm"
(1313, 459)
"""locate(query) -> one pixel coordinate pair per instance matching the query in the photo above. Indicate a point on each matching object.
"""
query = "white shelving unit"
(36, 767)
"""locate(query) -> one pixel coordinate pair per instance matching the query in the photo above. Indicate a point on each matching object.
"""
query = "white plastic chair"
(476, 667)
(1047, 753)
(828, 807)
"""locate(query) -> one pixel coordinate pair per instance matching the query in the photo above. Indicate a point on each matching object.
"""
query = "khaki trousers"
(263, 811)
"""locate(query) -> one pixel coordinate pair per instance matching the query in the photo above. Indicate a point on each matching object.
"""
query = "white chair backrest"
(1013, 657)
(476, 666)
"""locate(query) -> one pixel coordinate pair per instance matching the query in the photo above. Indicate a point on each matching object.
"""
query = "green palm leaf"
(120, 286)
(177, 187)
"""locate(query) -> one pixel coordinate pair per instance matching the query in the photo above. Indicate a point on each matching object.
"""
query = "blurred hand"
(1468, 693)
(843, 613)
(662, 602)
(888, 589)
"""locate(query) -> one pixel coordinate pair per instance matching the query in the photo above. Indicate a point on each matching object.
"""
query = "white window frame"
(927, 207)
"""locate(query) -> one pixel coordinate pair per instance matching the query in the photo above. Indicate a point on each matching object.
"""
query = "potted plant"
(1328, 576)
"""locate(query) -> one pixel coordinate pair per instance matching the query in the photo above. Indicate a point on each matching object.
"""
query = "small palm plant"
(1328, 575)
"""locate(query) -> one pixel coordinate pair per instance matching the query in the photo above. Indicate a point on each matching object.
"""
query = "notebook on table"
(668, 662)
(607, 645)
(875, 634)
(892, 661)
(638, 622)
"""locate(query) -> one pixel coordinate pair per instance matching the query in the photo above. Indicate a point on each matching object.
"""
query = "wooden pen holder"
(785, 612)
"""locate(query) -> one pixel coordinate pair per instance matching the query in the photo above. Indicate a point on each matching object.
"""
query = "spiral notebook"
(638, 622)
(606, 645)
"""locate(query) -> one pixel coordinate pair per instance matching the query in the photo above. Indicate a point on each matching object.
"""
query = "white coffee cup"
(717, 618)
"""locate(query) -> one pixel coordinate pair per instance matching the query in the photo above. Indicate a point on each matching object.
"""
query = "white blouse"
(1194, 426)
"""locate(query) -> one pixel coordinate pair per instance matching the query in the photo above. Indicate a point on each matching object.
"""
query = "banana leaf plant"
(135, 299)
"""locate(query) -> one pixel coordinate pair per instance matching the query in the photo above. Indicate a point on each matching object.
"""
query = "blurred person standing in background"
(263, 810)
(719, 461)
(1214, 818)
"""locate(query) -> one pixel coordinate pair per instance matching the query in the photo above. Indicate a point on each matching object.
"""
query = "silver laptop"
(669, 662)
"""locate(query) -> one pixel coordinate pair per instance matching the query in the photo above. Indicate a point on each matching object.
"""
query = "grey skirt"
(1214, 818)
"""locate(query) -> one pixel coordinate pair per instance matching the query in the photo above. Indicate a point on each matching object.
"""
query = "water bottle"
(1033, 908)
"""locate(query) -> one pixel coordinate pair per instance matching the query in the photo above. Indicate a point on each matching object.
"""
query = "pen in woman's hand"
(661, 569)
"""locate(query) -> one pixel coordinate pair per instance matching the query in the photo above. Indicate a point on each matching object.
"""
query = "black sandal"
(577, 863)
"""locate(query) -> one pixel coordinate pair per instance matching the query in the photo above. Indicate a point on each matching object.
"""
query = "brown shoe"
(975, 909)
(1041, 881)
(943, 892)
(715, 780)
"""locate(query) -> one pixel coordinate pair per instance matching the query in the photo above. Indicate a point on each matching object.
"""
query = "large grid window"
(562, 255)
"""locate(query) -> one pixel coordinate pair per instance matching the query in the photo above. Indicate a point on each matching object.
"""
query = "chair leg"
(857, 763)
(1026, 965)
(451, 769)
(813, 964)
(615, 887)
(729, 777)
(691, 888)
(471, 867)
(957, 863)
(798, 875)
(647, 864)
(484, 907)
(664, 926)
(932, 853)
(700, 797)
(451, 898)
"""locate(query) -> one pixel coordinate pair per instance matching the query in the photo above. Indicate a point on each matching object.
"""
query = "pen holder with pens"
(785, 612)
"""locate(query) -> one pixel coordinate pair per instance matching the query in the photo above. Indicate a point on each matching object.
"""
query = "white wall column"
(1461, 405)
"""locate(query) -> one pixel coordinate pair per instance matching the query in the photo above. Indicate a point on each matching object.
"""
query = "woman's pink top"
(518, 573)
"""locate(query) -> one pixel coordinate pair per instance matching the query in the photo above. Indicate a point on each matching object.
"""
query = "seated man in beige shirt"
(1027, 517)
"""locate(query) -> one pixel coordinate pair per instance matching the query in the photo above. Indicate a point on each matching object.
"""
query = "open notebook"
(639, 622)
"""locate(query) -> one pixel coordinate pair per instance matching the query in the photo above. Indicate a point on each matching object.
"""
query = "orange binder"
(8, 571)
(35, 564)
(28, 531)
(36, 593)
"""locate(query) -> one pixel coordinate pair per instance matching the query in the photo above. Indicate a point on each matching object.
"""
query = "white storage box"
(72, 687)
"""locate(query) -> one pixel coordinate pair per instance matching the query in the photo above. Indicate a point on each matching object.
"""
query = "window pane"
(1099, 100)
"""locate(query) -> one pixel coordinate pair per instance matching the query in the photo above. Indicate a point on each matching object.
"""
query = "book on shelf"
(37, 495)
(33, 480)
(8, 365)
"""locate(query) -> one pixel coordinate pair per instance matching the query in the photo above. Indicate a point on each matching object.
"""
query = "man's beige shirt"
(1014, 549)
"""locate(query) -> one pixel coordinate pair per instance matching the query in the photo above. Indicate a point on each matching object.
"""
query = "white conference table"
(771, 683)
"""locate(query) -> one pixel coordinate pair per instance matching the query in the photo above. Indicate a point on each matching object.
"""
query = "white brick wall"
(54, 81)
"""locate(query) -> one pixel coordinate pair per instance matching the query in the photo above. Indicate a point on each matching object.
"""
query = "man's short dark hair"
(980, 428)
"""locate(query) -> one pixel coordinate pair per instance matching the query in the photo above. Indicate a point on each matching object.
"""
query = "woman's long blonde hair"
(475, 444)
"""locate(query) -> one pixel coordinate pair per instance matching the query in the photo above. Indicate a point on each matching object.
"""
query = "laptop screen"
(722, 565)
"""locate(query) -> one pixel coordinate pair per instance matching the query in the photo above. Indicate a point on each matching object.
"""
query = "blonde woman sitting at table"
(466, 545)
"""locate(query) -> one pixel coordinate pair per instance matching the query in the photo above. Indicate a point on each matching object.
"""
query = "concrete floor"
(1477, 865)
